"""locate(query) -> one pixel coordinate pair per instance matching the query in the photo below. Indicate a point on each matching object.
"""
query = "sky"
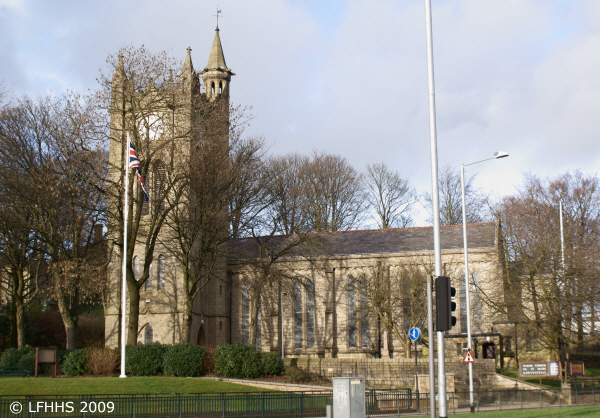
(350, 77)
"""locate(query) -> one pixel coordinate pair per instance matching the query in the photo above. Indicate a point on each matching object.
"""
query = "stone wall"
(396, 373)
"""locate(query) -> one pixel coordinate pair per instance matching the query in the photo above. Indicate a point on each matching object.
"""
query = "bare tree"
(55, 172)
(4, 96)
(334, 194)
(199, 218)
(21, 266)
(395, 295)
(389, 196)
(268, 263)
(540, 291)
(451, 199)
(287, 190)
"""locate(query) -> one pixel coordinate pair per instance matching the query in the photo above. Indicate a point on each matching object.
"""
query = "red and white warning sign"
(469, 357)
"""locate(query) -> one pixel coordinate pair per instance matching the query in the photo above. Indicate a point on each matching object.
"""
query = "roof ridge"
(373, 230)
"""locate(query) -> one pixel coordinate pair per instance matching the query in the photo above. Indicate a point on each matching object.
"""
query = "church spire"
(216, 60)
(188, 67)
(216, 75)
(119, 74)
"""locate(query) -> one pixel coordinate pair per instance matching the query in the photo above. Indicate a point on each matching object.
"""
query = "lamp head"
(500, 154)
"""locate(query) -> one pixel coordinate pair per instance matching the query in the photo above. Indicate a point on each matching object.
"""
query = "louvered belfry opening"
(159, 174)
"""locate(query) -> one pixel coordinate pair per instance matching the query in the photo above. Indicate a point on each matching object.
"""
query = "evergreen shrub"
(74, 364)
(238, 360)
(184, 360)
(272, 364)
(144, 359)
(19, 357)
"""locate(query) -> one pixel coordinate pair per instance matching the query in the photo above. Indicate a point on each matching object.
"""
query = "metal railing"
(282, 405)
(211, 405)
(585, 381)
(497, 400)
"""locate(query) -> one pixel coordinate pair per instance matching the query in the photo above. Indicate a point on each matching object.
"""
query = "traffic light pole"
(437, 249)
(431, 342)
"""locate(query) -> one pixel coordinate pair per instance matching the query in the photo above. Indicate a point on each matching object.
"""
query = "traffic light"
(444, 305)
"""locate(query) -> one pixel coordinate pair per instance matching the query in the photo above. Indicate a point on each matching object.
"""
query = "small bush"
(272, 364)
(238, 360)
(19, 357)
(228, 360)
(74, 364)
(102, 361)
(208, 363)
(294, 374)
(27, 361)
(252, 363)
(184, 360)
(10, 357)
(144, 359)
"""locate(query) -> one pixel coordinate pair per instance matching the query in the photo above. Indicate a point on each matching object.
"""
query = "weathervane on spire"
(217, 15)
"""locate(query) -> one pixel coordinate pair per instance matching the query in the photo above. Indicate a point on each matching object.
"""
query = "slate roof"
(381, 241)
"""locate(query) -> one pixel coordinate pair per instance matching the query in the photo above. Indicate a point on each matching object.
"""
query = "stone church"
(320, 314)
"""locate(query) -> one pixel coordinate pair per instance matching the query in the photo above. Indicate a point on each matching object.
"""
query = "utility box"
(349, 397)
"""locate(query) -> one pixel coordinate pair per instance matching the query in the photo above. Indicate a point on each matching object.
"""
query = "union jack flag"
(135, 163)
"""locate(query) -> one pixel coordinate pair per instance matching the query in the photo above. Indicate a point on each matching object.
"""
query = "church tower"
(165, 118)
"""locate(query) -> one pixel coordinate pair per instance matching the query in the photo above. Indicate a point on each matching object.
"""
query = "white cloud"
(350, 77)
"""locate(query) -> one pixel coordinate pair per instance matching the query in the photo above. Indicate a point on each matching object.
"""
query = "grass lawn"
(116, 385)
(568, 412)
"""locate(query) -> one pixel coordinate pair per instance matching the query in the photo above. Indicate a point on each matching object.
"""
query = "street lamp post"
(499, 154)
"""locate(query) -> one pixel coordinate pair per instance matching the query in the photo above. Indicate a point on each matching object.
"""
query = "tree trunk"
(13, 323)
(20, 316)
(254, 306)
(134, 312)
(186, 323)
(69, 321)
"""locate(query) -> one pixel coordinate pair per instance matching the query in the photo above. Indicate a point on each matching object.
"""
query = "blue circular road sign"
(414, 333)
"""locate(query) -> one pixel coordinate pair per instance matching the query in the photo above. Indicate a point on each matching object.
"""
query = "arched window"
(136, 267)
(310, 314)
(139, 193)
(158, 192)
(212, 87)
(364, 314)
(148, 335)
(149, 279)
(351, 312)
(245, 313)
(161, 272)
(476, 302)
(298, 319)
(258, 328)
(220, 87)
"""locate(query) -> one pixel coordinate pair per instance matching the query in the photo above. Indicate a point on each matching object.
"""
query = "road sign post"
(415, 334)
(469, 359)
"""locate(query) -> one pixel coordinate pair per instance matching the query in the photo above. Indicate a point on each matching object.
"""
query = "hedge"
(241, 361)
(144, 359)
(184, 360)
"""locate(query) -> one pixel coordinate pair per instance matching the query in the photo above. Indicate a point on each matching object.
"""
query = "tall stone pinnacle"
(216, 60)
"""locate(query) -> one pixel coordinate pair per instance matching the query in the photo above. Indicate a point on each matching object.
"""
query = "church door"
(201, 340)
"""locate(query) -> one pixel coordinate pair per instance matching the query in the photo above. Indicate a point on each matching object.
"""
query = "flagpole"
(124, 269)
